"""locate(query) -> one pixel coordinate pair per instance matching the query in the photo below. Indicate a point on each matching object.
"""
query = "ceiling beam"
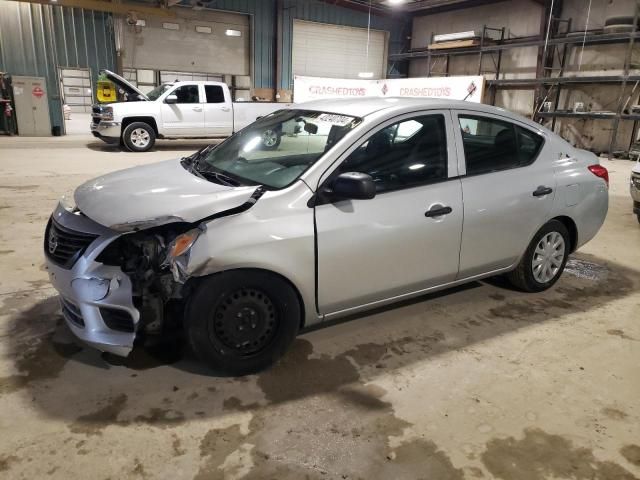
(110, 7)
(361, 7)
(428, 7)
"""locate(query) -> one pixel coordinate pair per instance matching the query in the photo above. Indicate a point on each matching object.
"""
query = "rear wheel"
(544, 260)
(241, 322)
(139, 136)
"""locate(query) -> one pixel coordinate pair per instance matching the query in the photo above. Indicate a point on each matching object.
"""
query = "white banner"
(469, 88)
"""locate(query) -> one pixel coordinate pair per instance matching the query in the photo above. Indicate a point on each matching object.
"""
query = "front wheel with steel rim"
(544, 260)
(139, 136)
(242, 321)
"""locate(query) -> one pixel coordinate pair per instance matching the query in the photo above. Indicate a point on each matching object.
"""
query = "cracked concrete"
(476, 382)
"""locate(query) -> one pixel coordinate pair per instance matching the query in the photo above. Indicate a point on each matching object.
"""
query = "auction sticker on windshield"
(334, 119)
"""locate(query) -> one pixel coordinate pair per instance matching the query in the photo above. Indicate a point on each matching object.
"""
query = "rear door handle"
(541, 191)
(197, 109)
(438, 211)
(225, 109)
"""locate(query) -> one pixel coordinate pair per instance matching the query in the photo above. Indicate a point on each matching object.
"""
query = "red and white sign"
(37, 92)
(469, 88)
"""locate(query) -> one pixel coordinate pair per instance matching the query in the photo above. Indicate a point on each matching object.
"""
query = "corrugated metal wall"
(37, 39)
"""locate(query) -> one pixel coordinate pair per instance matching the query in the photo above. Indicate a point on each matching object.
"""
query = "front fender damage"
(157, 260)
(179, 265)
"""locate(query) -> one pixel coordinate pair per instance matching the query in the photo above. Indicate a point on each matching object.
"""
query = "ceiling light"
(395, 2)
(365, 74)
(233, 33)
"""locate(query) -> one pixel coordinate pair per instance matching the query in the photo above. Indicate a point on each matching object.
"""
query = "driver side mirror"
(171, 99)
(352, 186)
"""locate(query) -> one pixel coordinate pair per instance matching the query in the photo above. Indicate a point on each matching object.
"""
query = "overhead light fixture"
(170, 26)
(203, 29)
(233, 33)
(395, 2)
(365, 74)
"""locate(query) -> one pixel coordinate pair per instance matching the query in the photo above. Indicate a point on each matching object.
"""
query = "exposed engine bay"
(157, 278)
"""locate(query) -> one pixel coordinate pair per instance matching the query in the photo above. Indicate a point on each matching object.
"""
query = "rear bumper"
(108, 132)
(89, 288)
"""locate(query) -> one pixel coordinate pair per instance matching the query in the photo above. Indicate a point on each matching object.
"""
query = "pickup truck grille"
(96, 116)
(64, 246)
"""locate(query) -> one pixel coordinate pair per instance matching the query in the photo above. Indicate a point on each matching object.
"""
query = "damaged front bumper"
(96, 299)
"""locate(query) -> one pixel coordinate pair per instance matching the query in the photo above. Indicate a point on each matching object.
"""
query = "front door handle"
(541, 191)
(438, 211)
(197, 109)
(225, 109)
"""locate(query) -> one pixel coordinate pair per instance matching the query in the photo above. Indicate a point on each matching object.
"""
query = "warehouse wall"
(37, 39)
(265, 24)
(523, 18)
(596, 60)
(520, 17)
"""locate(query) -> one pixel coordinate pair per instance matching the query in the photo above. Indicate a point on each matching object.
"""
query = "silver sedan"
(357, 204)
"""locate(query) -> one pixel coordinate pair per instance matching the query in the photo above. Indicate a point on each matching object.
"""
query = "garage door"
(323, 50)
(195, 41)
(76, 88)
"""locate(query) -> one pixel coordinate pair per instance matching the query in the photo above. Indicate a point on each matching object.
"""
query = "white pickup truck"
(194, 109)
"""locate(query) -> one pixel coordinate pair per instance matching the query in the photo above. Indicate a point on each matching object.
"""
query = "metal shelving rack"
(549, 85)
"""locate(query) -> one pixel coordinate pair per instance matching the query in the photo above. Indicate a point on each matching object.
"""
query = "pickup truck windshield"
(159, 90)
(275, 150)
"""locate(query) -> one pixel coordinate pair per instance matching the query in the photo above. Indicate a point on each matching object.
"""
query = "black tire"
(223, 332)
(523, 277)
(134, 135)
(271, 139)
(638, 216)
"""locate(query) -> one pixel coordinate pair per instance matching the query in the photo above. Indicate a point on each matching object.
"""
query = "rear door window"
(492, 145)
(214, 93)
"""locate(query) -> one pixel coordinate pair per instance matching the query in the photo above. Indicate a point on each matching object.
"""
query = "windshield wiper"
(219, 178)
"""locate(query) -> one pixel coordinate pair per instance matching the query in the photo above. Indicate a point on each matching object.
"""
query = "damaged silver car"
(360, 204)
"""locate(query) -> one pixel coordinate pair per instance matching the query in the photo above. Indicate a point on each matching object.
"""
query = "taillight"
(600, 171)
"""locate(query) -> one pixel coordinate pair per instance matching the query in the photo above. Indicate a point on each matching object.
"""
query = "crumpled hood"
(156, 194)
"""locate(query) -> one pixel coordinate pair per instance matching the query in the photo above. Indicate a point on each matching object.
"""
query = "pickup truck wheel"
(544, 260)
(271, 139)
(139, 136)
(242, 321)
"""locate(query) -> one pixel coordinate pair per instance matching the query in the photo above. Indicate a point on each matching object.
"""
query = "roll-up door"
(324, 50)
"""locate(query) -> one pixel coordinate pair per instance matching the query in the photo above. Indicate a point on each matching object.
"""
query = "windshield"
(156, 92)
(275, 150)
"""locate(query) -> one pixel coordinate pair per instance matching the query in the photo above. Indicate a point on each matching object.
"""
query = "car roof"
(361, 107)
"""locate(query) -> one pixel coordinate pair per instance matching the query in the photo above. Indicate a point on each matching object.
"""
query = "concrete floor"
(482, 382)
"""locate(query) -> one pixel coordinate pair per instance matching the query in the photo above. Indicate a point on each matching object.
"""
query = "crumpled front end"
(96, 299)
